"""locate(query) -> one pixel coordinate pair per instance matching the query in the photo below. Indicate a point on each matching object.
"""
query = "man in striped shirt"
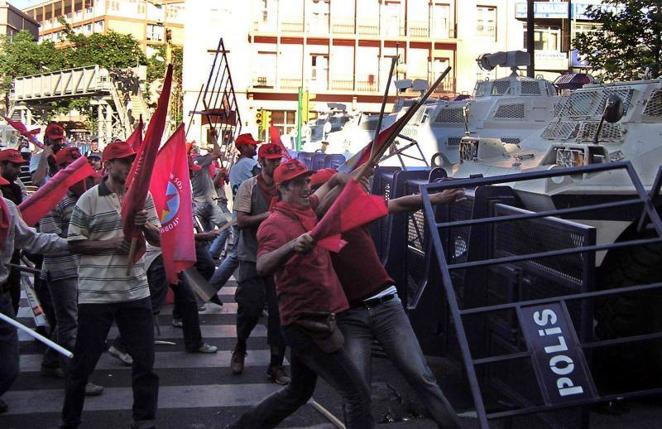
(106, 293)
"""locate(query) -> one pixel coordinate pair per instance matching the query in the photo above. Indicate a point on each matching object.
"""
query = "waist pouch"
(321, 326)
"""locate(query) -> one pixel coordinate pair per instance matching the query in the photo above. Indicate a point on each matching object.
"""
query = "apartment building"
(339, 50)
(146, 20)
(13, 20)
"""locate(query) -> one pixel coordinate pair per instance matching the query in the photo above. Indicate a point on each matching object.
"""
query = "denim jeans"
(51, 357)
(229, 264)
(217, 246)
(307, 362)
(388, 323)
(135, 323)
(64, 296)
(8, 345)
(210, 214)
(184, 301)
(252, 293)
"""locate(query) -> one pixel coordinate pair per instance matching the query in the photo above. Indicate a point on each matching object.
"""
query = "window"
(546, 38)
(284, 121)
(440, 20)
(486, 22)
(155, 32)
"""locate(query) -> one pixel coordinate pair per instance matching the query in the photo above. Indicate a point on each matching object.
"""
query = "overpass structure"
(115, 96)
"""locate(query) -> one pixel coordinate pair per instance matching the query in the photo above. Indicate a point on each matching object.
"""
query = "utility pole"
(530, 47)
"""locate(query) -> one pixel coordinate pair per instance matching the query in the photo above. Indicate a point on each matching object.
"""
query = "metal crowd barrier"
(539, 320)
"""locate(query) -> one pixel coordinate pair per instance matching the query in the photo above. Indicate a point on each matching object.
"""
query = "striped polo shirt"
(102, 279)
(62, 265)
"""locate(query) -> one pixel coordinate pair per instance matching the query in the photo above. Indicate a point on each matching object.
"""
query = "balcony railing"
(368, 28)
(342, 85)
(263, 82)
(366, 86)
(342, 27)
(419, 29)
(291, 26)
(290, 83)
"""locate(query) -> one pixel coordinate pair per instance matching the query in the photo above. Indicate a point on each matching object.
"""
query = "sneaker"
(202, 307)
(177, 323)
(237, 361)
(205, 348)
(52, 371)
(92, 389)
(278, 375)
(123, 357)
(3, 407)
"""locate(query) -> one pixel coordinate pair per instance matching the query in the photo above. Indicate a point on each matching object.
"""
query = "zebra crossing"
(197, 391)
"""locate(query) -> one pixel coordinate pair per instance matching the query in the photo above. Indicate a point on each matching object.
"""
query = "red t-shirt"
(305, 282)
(359, 268)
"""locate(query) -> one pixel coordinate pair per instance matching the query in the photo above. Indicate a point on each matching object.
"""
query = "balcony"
(290, 83)
(342, 27)
(291, 26)
(263, 82)
(342, 85)
(366, 85)
(368, 28)
(419, 29)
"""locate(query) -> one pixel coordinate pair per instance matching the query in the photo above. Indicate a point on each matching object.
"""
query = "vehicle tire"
(634, 365)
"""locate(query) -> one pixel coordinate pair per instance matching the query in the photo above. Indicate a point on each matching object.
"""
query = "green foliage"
(629, 42)
(156, 68)
(110, 50)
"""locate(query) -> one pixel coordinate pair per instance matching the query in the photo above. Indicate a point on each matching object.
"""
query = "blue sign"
(557, 358)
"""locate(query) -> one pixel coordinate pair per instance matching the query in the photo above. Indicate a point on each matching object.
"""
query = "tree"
(629, 42)
(110, 50)
(22, 56)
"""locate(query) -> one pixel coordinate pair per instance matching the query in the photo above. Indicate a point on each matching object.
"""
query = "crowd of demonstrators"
(86, 286)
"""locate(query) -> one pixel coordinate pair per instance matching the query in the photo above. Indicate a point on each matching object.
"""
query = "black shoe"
(3, 406)
(237, 361)
(216, 300)
(52, 371)
(278, 375)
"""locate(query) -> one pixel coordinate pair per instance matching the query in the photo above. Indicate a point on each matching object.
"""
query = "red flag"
(172, 198)
(354, 207)
(42, 201)
(135, 140)
(274, 136)
(136, 194)
(363, 156)
(23, 130)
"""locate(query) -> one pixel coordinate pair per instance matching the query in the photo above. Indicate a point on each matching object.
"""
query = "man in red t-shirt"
(305, 283)
(376, 311)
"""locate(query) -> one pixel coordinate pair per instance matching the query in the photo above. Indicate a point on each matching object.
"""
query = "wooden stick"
(401, 123)
(394, 60)
(132, 255)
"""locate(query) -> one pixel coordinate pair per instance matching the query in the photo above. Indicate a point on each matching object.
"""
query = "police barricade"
(530, 332)
(334, 160)
(306, 158)
(317, 161)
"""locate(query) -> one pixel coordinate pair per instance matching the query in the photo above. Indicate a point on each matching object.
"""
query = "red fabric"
(136, 194)
(354, 207)
(42, 201)
(359, 268)
(322, 176)
(117, 150)
(172, 198)
(270, 191)
(270, 151)
(13, 156)
(67, 155)
(23, 130)
(290, 170)
(54, 131)
(274, 136)
(4, 220)
(135, 140)
(303, 284)
(363, 156)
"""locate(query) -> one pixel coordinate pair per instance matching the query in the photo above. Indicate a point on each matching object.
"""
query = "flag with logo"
(23, 130)
(171, 190)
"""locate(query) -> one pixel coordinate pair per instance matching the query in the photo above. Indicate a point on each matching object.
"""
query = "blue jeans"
(307, 362)
(229, 264)
(8, 345)
(64, 296)
(135, 323)
(210, 214)
(216, 247)
(388, 324)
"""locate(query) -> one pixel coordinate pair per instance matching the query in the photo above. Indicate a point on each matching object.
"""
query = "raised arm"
(269, 262)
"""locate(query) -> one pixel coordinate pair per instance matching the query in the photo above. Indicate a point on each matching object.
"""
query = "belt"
(374, 302)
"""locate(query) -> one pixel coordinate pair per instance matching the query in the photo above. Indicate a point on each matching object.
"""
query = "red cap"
(289, 171)
(270, 151)
(54, 131)
(245, 139)
(117, 150)
(67, 155)
(13, 156)
(322, 176)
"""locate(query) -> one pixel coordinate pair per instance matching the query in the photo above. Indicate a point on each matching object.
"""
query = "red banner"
(42, 201)
(135, 140)
(138, 186)
(354, 207)
(23, 130)
(363, 156)
(171, 190)
(274, 136)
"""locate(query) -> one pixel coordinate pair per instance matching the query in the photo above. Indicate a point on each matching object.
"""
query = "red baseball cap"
(270, 151)
(322, 176)
(245, 139)
(55, 131)
(67, 155)
(290, 170)
(117, 150)
(13, 156)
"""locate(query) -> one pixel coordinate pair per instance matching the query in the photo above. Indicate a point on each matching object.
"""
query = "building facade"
(339, 50)
(146, 20)
(13, 20)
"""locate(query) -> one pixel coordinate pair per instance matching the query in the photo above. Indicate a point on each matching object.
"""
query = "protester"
(244, 168)
(107, 292)
(60, 271)
(376, 312)
(15, 234)
(309, 293)
(221, 178)
(253, 291)
(204, 191)
(42, 165)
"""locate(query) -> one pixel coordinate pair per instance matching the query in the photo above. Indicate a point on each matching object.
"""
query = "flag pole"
(394, 60)
(132, 255)
(36, 336)
(376, 156)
